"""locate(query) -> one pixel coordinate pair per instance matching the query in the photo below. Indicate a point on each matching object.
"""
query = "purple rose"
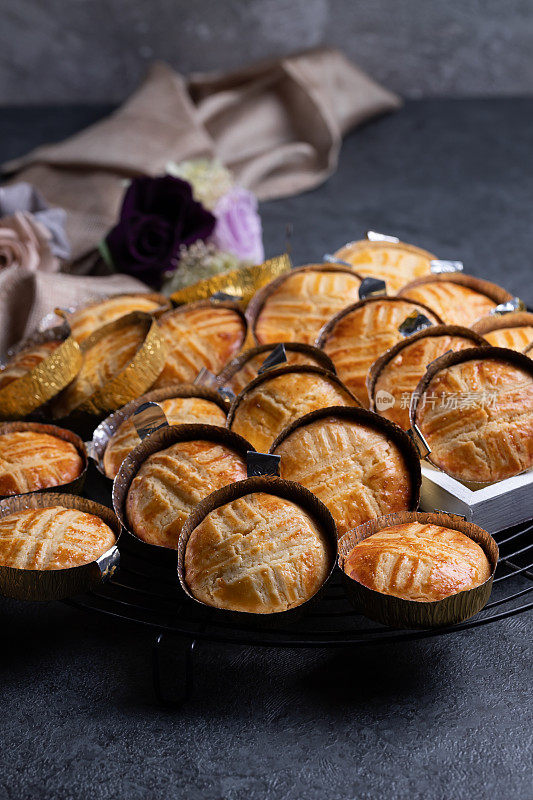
(238, 227)
(158, 215)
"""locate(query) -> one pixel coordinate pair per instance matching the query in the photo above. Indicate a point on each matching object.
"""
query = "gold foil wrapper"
(26, 394)
(239, 282)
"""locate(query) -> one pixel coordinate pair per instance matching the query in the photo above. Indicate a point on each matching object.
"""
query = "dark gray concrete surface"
(443, 718)
(97, 50)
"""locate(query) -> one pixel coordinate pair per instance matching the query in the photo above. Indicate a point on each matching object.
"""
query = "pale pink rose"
(238, 227)
(25, 242)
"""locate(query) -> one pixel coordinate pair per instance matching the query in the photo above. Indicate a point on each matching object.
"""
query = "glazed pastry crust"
(303, 303)
(488, 435)
(178, 411)
(25, 361)
(396, 264)
(52, 538)
(258, 554)
(357, 471)
(199, 337)
(86, 321)
(265, 410)
(513, 338)
(362, 336)
(30, 461)
(454, 303)
(418, 562)
(401, 375)
(171, 482)
(248, 371)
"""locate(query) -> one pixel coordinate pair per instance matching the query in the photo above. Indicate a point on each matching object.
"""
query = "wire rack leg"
(172, 669)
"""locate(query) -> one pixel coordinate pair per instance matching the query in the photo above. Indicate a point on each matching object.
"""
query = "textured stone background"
(71, 51)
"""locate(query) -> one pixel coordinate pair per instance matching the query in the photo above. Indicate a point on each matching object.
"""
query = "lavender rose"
(25, 243)
(158, 215)
(238, 229)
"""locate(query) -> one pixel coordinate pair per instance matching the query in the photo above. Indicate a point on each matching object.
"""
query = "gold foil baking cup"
(242, 283)
(54, 584)
(28, 393)
(132, 381)
(400, 613)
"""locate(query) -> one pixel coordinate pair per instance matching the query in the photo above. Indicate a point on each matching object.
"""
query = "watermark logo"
(384, 400)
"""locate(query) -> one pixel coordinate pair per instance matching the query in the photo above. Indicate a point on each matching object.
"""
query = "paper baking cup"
(154, 443)
(110, 425)
(134, 379)
(54, 584)
(490, 290)
(28, 393)
(288, 490)
(399, 613)
(518, 319)
(256, 305)
(436, 330)
(73, 487)
(243, 283)
(449, 359)
(360, 416)
(316, 357)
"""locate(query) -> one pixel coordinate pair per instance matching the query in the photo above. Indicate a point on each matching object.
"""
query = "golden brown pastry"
(85, 321)
(22, 363)
(514, 330)
(399, 377)
(396, 264)
(203, 335)
(30, 461)
(357, 471)
(263, 411)
(454, 303)
(480, 425)
(103, 360)
(303, 302)
(416, 561)
(259, 554)
(363, 334)
(52, 538)
(248, 371)
(178, 411)
(171, 482)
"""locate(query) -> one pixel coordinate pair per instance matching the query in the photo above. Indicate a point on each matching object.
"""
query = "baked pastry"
(277, 398)
(395, 376)
(238, 377)
(85, 321)
(395, 263)
(353, 466)
(105, 357)
(296, 306)
(259, 553)
(362, 333)
(178, 411)
(199, 335)
(479, 424)
(52, 538)
(514, 330)
(26, 360)
(30, 461)
(459, 299)
(416, 561)
(170, 483)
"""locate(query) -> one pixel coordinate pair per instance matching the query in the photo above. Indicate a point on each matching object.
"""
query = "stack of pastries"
(345, 378)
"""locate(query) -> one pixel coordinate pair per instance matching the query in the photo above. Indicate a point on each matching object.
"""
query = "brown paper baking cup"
(316, 357)
(436, 330)
(448, 360)
(493, 322)
(333, 322)
(28, 393)
(256, 305)
(288, 490)
(360, 416)
(242, 283)
(133, 380)
(161, 440)
(73, 487)
(164, 305)
(490, 290)
(400, 613)
(54, 584)
(109, 426)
